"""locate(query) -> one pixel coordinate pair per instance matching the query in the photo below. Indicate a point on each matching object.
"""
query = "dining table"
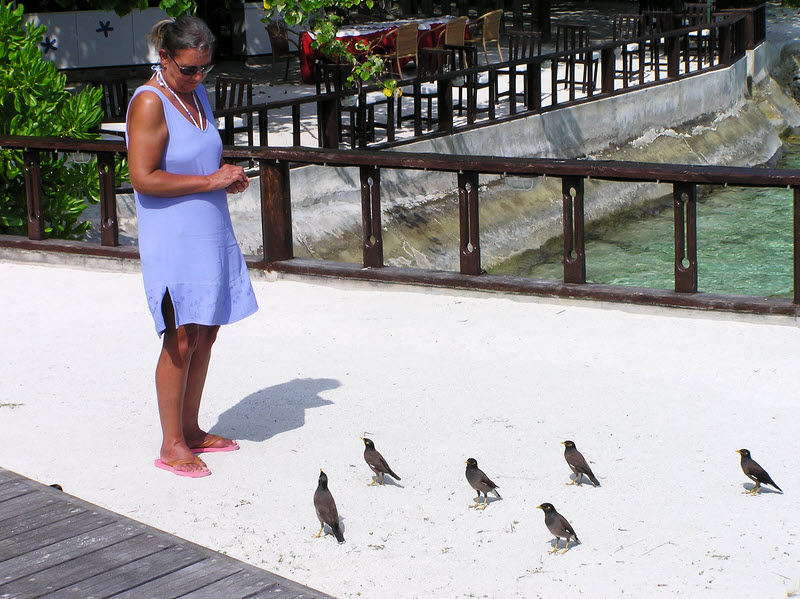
(375, 34)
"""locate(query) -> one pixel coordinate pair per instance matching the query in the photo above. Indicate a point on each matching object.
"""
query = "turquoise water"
(744, 244)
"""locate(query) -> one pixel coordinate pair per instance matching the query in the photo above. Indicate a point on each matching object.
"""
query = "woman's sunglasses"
(193, 70)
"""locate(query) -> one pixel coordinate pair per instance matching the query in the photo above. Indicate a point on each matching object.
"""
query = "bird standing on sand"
(755, 472)
(558, 526)
(480, 482)
(376, 462)
(578, 464)
(326, 508)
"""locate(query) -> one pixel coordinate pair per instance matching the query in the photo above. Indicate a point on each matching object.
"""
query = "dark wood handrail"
(276, 218)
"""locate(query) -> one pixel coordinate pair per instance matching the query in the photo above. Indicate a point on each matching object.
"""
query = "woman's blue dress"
(186, 243)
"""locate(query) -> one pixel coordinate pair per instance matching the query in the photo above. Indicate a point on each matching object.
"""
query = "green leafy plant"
(323, 18)
(34, 101)
(174, 8)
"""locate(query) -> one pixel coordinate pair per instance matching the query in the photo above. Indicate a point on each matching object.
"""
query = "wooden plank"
(41, 517)
(243, 584)
(185, 580)
(66, 547)
(13, 488)
(13, 508)
(73, 546)
(132, 574)
(73, 571)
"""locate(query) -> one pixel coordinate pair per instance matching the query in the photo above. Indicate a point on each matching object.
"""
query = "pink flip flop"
(205, 446)
(170, 467)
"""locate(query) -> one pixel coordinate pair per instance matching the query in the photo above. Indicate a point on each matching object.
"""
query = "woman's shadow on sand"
(273, 410)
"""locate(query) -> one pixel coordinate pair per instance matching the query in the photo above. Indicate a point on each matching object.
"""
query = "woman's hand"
(231, 177)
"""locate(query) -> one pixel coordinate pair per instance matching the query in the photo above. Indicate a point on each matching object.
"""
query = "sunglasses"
(193, 70)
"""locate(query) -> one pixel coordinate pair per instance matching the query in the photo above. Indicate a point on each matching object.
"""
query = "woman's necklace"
(162, 82)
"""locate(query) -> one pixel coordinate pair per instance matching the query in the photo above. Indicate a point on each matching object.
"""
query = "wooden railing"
(276, 217)
(667, 56)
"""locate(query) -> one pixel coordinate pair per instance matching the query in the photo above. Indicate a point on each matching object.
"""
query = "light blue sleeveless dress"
(186, 243)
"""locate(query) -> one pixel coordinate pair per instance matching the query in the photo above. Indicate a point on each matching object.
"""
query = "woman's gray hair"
(185, 32)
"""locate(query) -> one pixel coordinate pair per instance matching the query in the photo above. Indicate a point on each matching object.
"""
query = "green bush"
(34, 101)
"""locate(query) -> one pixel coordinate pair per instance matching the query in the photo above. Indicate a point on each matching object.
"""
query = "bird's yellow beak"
(563, 443)
(739, 452)
(362, 438)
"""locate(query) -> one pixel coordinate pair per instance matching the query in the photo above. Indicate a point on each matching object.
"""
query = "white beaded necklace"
(162, 82)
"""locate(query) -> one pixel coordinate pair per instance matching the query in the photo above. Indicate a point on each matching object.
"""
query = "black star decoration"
(104, 28)
(49, 44)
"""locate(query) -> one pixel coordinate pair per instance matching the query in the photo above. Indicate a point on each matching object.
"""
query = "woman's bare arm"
(147, 138)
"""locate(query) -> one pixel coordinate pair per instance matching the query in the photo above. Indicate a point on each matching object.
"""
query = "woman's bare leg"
(196, 379)
(172, 372)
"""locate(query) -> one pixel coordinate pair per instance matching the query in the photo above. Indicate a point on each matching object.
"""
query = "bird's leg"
(485, 499)
(755, 490)
(375, 481)
(580, 480)
(477, 501)
(319, 534)
(556, 547)
(565, 547)
(573, 481)
(383, 476)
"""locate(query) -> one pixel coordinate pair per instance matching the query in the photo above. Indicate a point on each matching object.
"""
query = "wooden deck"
(55, 545)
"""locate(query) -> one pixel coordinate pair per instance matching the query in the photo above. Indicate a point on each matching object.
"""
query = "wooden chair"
(280, 41)
(432, 61)
(697, 15)
(405, 46)
(233, 92)
(114, 103)
(451, 33)
(628, 27)
(575, 37)
(489, 25)
(521, 45)
(332, 78)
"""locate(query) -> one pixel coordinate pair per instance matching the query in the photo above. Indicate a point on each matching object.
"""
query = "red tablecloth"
(371, 32)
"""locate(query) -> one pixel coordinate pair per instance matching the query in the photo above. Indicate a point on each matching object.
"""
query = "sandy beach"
(657, 401)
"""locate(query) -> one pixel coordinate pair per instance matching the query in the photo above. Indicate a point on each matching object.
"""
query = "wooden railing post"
(444, 105)
(574, 242)
(684, 199)
(328, 122)
(673, 57)
(371, 234)
(796, 240)
(295, 125)
(33, 194)
(109, 227)
(276, 210)
(470, 249)
(608, 64)
(263, 127)
(533, 85)
(725, 45)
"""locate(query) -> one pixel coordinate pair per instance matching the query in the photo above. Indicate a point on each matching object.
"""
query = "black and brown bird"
(558, 526)
(376, 462)
(481, 483)
(578, 464)
(326, 508)
(755, 472)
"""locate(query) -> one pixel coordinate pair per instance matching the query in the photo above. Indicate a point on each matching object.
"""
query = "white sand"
(658, 401)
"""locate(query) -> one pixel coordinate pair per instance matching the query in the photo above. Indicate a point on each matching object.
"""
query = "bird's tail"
(393, 475)
(776, 486)
(496, 494)
(594, 480)
(337, 532)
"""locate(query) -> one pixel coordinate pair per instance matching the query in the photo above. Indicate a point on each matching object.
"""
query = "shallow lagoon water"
(744, 244)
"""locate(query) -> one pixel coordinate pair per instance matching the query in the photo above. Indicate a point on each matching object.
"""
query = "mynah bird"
(480, 482)
(326, 508)
(578, 464)
(755, 472)
(558, 526)
(376, 462)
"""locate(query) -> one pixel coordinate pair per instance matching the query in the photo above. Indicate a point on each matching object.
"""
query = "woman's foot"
(210, 443)
(182, 461)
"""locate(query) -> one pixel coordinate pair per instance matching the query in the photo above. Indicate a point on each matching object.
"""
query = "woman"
(195, 277)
